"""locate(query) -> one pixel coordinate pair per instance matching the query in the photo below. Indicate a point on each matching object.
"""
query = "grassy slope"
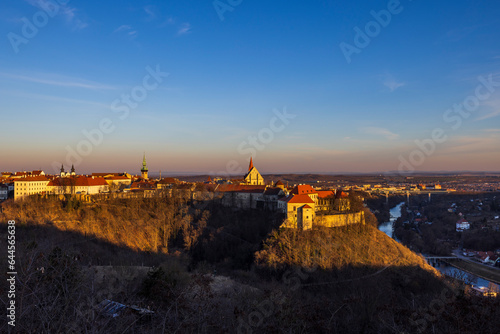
(336, 249)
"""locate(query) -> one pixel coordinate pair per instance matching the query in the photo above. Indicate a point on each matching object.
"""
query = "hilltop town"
(131, 247)
(317, 198)
(301, 203)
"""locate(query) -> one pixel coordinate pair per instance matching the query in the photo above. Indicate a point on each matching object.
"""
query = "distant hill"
(351, 179)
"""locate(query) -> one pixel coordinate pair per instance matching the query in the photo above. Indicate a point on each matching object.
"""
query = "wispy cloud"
(471, 144)
(490, 115)
(380, 132)
(122, 28)
(69, 13)
(57, 80)
(393, 84)
(127, 30)
(185, 28)
(53, 98)
(491, 130)
(494, 109)
(150, 11)
(168, 21)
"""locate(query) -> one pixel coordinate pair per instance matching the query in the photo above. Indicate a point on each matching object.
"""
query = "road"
(458, 253)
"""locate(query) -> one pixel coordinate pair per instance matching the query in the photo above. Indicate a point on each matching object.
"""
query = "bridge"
(440, 257)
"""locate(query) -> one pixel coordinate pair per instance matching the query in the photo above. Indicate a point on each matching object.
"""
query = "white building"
(86, 185)
(462, 225)
(30, 185)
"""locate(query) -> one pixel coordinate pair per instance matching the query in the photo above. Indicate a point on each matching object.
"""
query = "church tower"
(253, 176)
(144, 169)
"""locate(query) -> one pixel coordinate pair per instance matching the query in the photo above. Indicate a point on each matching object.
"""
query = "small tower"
(144, 169)
(250, 166)
(62, 171)
(73, 173)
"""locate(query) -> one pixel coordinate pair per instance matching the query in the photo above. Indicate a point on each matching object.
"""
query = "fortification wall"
(342, 219)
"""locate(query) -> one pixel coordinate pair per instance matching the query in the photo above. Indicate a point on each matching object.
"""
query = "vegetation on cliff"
(204, 268)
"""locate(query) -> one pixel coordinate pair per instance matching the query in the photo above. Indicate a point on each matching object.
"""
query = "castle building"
(144, 169)
(253, 176)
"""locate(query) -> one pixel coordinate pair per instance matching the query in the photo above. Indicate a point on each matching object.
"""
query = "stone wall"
(341, 219)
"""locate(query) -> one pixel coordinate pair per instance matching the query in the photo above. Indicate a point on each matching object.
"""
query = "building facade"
(30, 185)
(253, 176)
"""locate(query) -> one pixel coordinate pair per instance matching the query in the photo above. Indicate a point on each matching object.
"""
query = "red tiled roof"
(325, 193)
(142, 185)
(341, 194)
(117, 178)
(78, 181)
(239, 188)
(307, 206)
(299, 199)
(31, 179)
(169, 180)
(303, 189)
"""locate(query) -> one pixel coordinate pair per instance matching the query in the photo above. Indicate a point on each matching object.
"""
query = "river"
(388, 229)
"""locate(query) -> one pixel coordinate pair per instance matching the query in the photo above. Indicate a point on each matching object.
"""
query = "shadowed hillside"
(209, 269)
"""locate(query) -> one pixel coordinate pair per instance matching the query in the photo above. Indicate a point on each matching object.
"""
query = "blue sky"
(232, 67)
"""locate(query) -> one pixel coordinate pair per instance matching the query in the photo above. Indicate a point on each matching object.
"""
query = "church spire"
(144, 169)
(251, 164)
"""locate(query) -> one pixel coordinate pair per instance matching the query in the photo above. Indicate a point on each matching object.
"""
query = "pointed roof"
(250, 166)
(144, 167)
(326, 193)
(298, 199)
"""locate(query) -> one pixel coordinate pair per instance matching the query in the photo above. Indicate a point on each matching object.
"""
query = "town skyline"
(232, 168)
(332, 87)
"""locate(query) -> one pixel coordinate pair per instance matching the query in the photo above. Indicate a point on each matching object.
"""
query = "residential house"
(462, 225)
